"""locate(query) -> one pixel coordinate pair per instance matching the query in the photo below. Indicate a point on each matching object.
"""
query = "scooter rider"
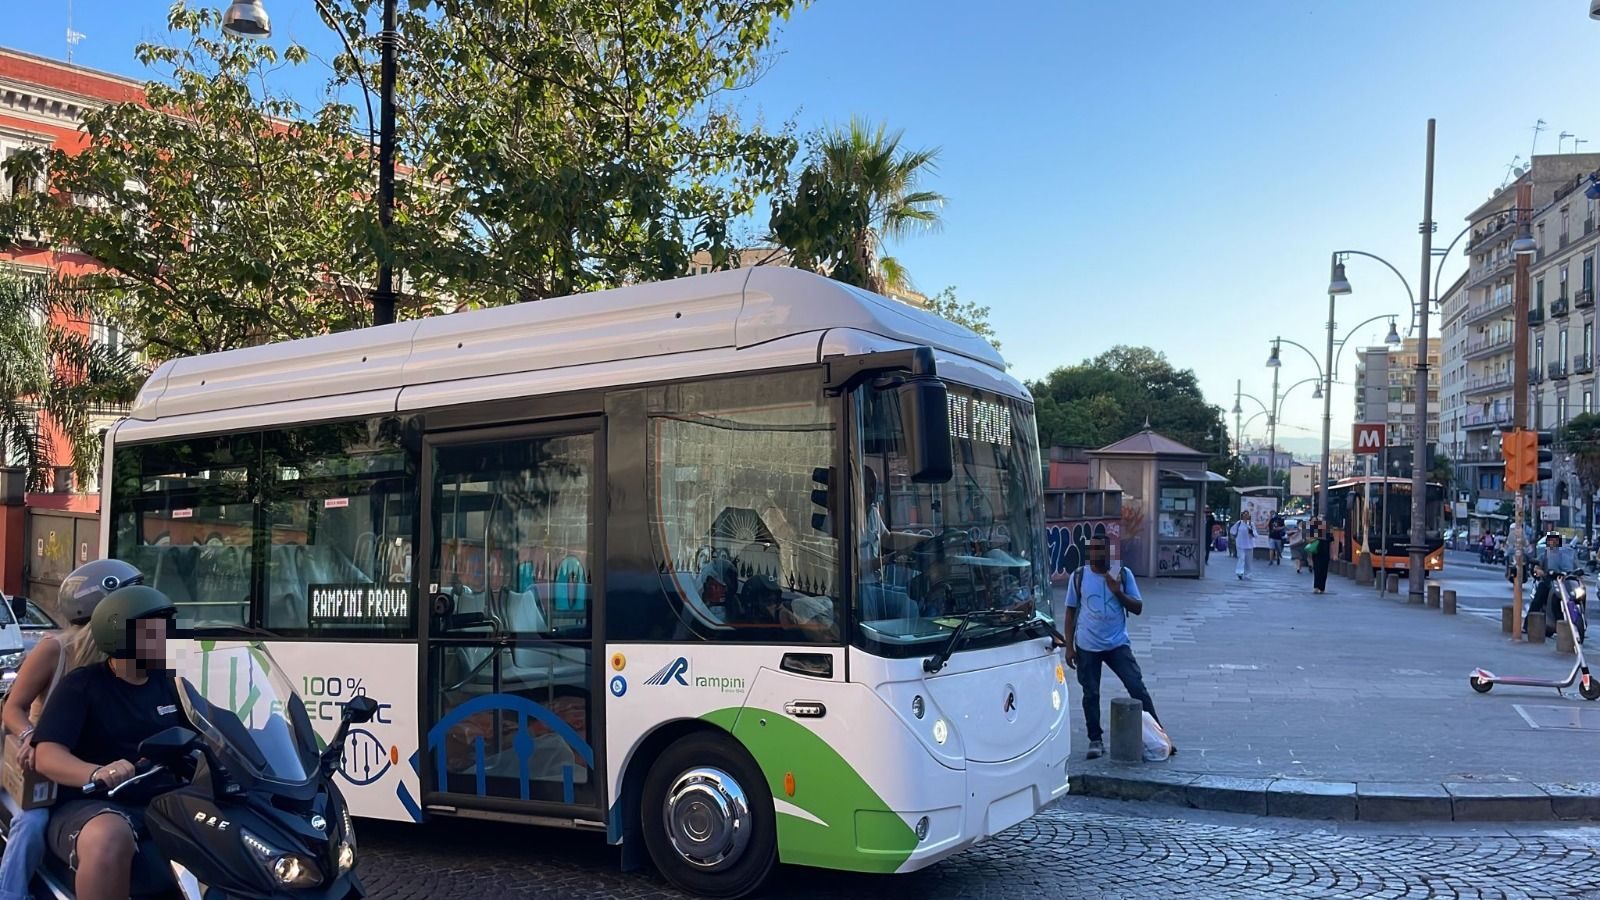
(49, 660)
(1553, 560)
(91, 731)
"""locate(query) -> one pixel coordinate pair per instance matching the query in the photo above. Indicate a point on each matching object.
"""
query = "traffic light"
(1541, 453)
(1515, 449)
(822, 475)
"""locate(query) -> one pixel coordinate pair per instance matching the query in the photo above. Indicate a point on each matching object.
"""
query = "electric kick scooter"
(1571, 604)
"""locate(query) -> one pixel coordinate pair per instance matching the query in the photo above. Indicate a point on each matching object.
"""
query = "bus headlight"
(1055, 700)
(941, 731)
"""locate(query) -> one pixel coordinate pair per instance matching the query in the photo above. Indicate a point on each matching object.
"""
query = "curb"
(1367, 801)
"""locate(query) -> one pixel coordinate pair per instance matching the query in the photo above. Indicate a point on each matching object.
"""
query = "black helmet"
(89, 583)
(109, 623)
(1553, 534)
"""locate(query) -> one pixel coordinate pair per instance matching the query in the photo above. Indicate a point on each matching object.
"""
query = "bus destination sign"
(360, 604)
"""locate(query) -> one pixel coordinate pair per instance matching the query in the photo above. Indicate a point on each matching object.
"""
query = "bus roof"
(1360, 480)
(749, 311)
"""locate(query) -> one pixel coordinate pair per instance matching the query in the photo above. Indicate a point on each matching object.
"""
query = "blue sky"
(1156, 172)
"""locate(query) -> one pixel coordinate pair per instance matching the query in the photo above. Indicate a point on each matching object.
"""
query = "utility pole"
(1519, 392)
(1419, 453)
(1272, 430)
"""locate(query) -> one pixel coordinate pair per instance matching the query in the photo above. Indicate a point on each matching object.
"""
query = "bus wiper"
(934, 663)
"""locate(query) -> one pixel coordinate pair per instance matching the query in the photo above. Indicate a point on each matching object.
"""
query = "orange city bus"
(1373, 515)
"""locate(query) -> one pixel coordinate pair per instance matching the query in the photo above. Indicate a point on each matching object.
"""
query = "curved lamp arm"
(1264, 407)
(1347, 335)
(1438, 269)
(1314, 360)
(1409, 293)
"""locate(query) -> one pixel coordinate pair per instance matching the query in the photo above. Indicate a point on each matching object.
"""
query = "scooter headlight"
(290, 869)
(347, 857)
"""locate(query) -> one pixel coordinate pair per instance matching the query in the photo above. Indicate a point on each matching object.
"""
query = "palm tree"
(1581, 435)
(54, 374)
(859, 191)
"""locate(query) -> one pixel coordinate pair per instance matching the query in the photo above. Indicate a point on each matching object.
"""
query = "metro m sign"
(1369, 437)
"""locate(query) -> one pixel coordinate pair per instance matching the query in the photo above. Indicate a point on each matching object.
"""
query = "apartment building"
(1453, 375)
(1385, 383)
(1561, 326)
(1487, 321)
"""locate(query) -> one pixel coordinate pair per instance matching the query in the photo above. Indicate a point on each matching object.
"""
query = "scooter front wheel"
(1480, 685)
(1590, 691)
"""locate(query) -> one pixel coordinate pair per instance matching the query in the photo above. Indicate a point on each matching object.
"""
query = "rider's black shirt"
(102, 718)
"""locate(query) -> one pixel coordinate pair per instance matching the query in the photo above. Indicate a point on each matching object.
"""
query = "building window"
(1561, 346)
(1563, 282)
(1565, 224)
(1538, 294)
(1561, 411)
(1588, 341)
(1588, 273)
(1588, 402)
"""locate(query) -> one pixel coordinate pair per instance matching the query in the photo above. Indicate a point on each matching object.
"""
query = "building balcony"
(1490, 457)
(1487, 384)
(1535, 375)
(1489, 309)
(1563, 242)
(1558, 371)
(1583, 365)
(1559, 308)
(1489, 347)
(1583, 299)
(1497, 227)
(1477, 421)
(1536, 316)
(1490, 270)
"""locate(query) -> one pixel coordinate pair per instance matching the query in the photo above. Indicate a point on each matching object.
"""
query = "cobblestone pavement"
(1084, 848)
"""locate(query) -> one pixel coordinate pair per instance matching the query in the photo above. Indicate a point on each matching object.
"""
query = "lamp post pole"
(1327, 396)
(1419, 451)
(1272, 430)
(388, 40)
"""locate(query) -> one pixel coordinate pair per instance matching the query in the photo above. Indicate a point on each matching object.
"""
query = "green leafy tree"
(1581, 435)
(51, 374)
(581, 145)
(858, 190)
(1105, 399)
(963, 312)
(224, 216)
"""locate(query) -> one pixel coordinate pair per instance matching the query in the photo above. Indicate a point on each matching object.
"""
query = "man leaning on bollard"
(1098, 603)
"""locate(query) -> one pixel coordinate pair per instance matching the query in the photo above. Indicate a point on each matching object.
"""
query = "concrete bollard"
(1392, 585)
(1508, 622)
(1127, 730)
(1564, 642)
(1535, 628)
(1364, 569)
(1449, 603)
(1433, 596)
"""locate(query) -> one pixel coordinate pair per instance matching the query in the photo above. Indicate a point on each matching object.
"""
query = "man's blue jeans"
(24, 852)
(1120, 660)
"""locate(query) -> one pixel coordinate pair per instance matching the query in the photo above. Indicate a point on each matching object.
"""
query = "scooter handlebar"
(141, 770)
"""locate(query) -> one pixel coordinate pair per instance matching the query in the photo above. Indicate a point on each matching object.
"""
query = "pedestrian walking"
(1275, 533)
(1320, 549)
(1244, 538)
(1098, 603)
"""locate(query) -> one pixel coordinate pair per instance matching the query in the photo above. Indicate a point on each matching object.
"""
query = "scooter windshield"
(241, 702)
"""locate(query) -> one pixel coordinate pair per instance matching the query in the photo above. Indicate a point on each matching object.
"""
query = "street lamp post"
(248, 18)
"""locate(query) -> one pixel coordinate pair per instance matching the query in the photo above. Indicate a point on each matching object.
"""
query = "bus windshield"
(928, 554)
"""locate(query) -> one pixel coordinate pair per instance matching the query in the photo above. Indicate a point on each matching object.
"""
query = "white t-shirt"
(1244, 534)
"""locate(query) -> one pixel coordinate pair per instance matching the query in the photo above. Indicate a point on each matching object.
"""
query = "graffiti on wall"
(1068, 543)
(1177, 559)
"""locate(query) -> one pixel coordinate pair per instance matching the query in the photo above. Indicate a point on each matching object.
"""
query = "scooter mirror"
(170, 745)
(360, 710)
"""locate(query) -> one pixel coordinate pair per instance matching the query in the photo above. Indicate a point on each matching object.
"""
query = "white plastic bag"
(1157, 746)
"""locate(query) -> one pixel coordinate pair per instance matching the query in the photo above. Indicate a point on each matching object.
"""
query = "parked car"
(12, 646)
(35, 624)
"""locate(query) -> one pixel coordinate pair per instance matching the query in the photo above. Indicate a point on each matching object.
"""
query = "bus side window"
(729, 481)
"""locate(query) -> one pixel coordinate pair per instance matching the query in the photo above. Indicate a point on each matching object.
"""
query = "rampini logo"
(678, 671)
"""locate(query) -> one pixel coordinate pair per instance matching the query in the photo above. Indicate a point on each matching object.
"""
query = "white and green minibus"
(738, 569)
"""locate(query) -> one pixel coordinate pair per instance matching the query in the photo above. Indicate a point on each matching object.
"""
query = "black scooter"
(253, 812)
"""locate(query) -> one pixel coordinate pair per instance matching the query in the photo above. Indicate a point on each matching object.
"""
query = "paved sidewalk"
(1346, 705)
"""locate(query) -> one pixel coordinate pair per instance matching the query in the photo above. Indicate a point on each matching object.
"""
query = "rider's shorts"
(68, 819)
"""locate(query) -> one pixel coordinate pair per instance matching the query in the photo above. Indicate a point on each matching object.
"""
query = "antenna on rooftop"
(1537, 127)
(1561, 138)
(73, 37)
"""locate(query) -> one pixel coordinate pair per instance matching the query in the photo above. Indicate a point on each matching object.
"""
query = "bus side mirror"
(925, 423)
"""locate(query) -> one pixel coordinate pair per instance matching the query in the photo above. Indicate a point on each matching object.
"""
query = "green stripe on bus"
(861, 833)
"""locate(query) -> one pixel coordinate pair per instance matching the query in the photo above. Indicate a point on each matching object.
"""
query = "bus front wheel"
(707, 817)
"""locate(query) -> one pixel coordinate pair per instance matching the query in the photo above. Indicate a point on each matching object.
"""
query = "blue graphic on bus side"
(525, 711)
(619, 686)
(672, 671)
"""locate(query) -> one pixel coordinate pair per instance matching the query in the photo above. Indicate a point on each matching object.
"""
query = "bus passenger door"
(515, 548)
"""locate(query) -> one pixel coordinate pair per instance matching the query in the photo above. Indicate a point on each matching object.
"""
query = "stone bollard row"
(1564, 642)
(1433, 596)
(1535, 628)
(1392, 584)
(1449, 603)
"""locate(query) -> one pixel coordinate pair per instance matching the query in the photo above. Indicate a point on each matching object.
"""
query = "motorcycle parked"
(255, 813)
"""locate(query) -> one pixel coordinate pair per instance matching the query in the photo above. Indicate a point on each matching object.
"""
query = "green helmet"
(109, 623)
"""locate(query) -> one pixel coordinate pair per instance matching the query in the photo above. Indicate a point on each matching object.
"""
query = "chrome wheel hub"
(708, 818)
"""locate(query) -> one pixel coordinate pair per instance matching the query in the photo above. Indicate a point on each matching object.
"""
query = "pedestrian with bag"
(1244, 537)
(1320, 549)
(1098, 603)
(1276, 533)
